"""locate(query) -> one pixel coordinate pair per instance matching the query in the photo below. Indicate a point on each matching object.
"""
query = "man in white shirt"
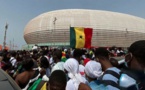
(13, 59)
(57, 59)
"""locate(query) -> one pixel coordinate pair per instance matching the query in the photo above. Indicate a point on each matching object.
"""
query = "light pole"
(4, 43)
(13, 44)
(10, 44)
(54, 29)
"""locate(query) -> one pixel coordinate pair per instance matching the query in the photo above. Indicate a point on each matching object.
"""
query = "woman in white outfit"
(72, 67)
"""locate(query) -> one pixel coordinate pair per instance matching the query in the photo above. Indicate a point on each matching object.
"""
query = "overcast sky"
(17, 13)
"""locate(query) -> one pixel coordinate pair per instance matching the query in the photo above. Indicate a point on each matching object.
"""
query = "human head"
(103, 52)
(6, 56)
(44, 52)
(57, 80)
(44, 62)
(35, 56)
(136, 55)
(13, 54)
(71, 66)
(77, 54)
(102, 56)
(35, 52)
(28, 63)
(57, 54)
(93, 69)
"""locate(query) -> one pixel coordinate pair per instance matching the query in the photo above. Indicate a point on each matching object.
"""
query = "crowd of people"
(77, 69)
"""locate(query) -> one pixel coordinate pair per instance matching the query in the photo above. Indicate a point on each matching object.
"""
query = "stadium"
(109, 28)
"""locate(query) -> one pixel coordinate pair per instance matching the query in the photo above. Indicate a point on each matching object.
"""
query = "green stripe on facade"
(72, 37)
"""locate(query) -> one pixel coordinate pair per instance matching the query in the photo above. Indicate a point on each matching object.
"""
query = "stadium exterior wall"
(109, 28)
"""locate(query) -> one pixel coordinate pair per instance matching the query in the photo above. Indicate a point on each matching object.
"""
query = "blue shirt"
(95, 85)
(111, 78)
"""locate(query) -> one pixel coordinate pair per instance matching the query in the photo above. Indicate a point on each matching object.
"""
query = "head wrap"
(82, 70)
(93, 69)
(72, 66)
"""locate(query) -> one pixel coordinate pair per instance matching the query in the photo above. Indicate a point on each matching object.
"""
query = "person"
(93, 71)
(77, 54)
(57, 80)
(6, 55)
(35, 47)
(133, 77)
(13, 62)
(81, 70)
(63, 58)
(45, 54)
(71, 66)
(35, 58)
(5, 64)
(83, 86)
(44, 64)
(13, 58)
(87, 59)
(111, 74)
(57, 60)
(1, 58)
(28, 76)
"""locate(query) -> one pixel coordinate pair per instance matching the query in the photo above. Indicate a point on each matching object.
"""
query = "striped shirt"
(111, 78)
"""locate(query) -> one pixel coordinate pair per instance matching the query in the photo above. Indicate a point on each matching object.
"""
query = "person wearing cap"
(93, 71)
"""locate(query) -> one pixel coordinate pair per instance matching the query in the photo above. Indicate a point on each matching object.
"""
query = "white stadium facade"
(109, 28)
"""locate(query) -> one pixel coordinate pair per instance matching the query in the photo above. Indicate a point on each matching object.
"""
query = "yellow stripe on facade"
(80, 37)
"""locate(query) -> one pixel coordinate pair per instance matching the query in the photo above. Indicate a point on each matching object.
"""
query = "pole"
(54, 29)
(4, 43)
(10, 44)
(13, 44)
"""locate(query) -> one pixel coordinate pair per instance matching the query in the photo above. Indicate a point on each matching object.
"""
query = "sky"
(17, 13)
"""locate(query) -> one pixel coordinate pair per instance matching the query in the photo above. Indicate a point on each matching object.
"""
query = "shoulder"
(126, 81)
(70, 85)
(22, 79)
(112, 73)
(95, 85)
(132, 79)
(22, 75)
(111, 78)
(60, 63)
